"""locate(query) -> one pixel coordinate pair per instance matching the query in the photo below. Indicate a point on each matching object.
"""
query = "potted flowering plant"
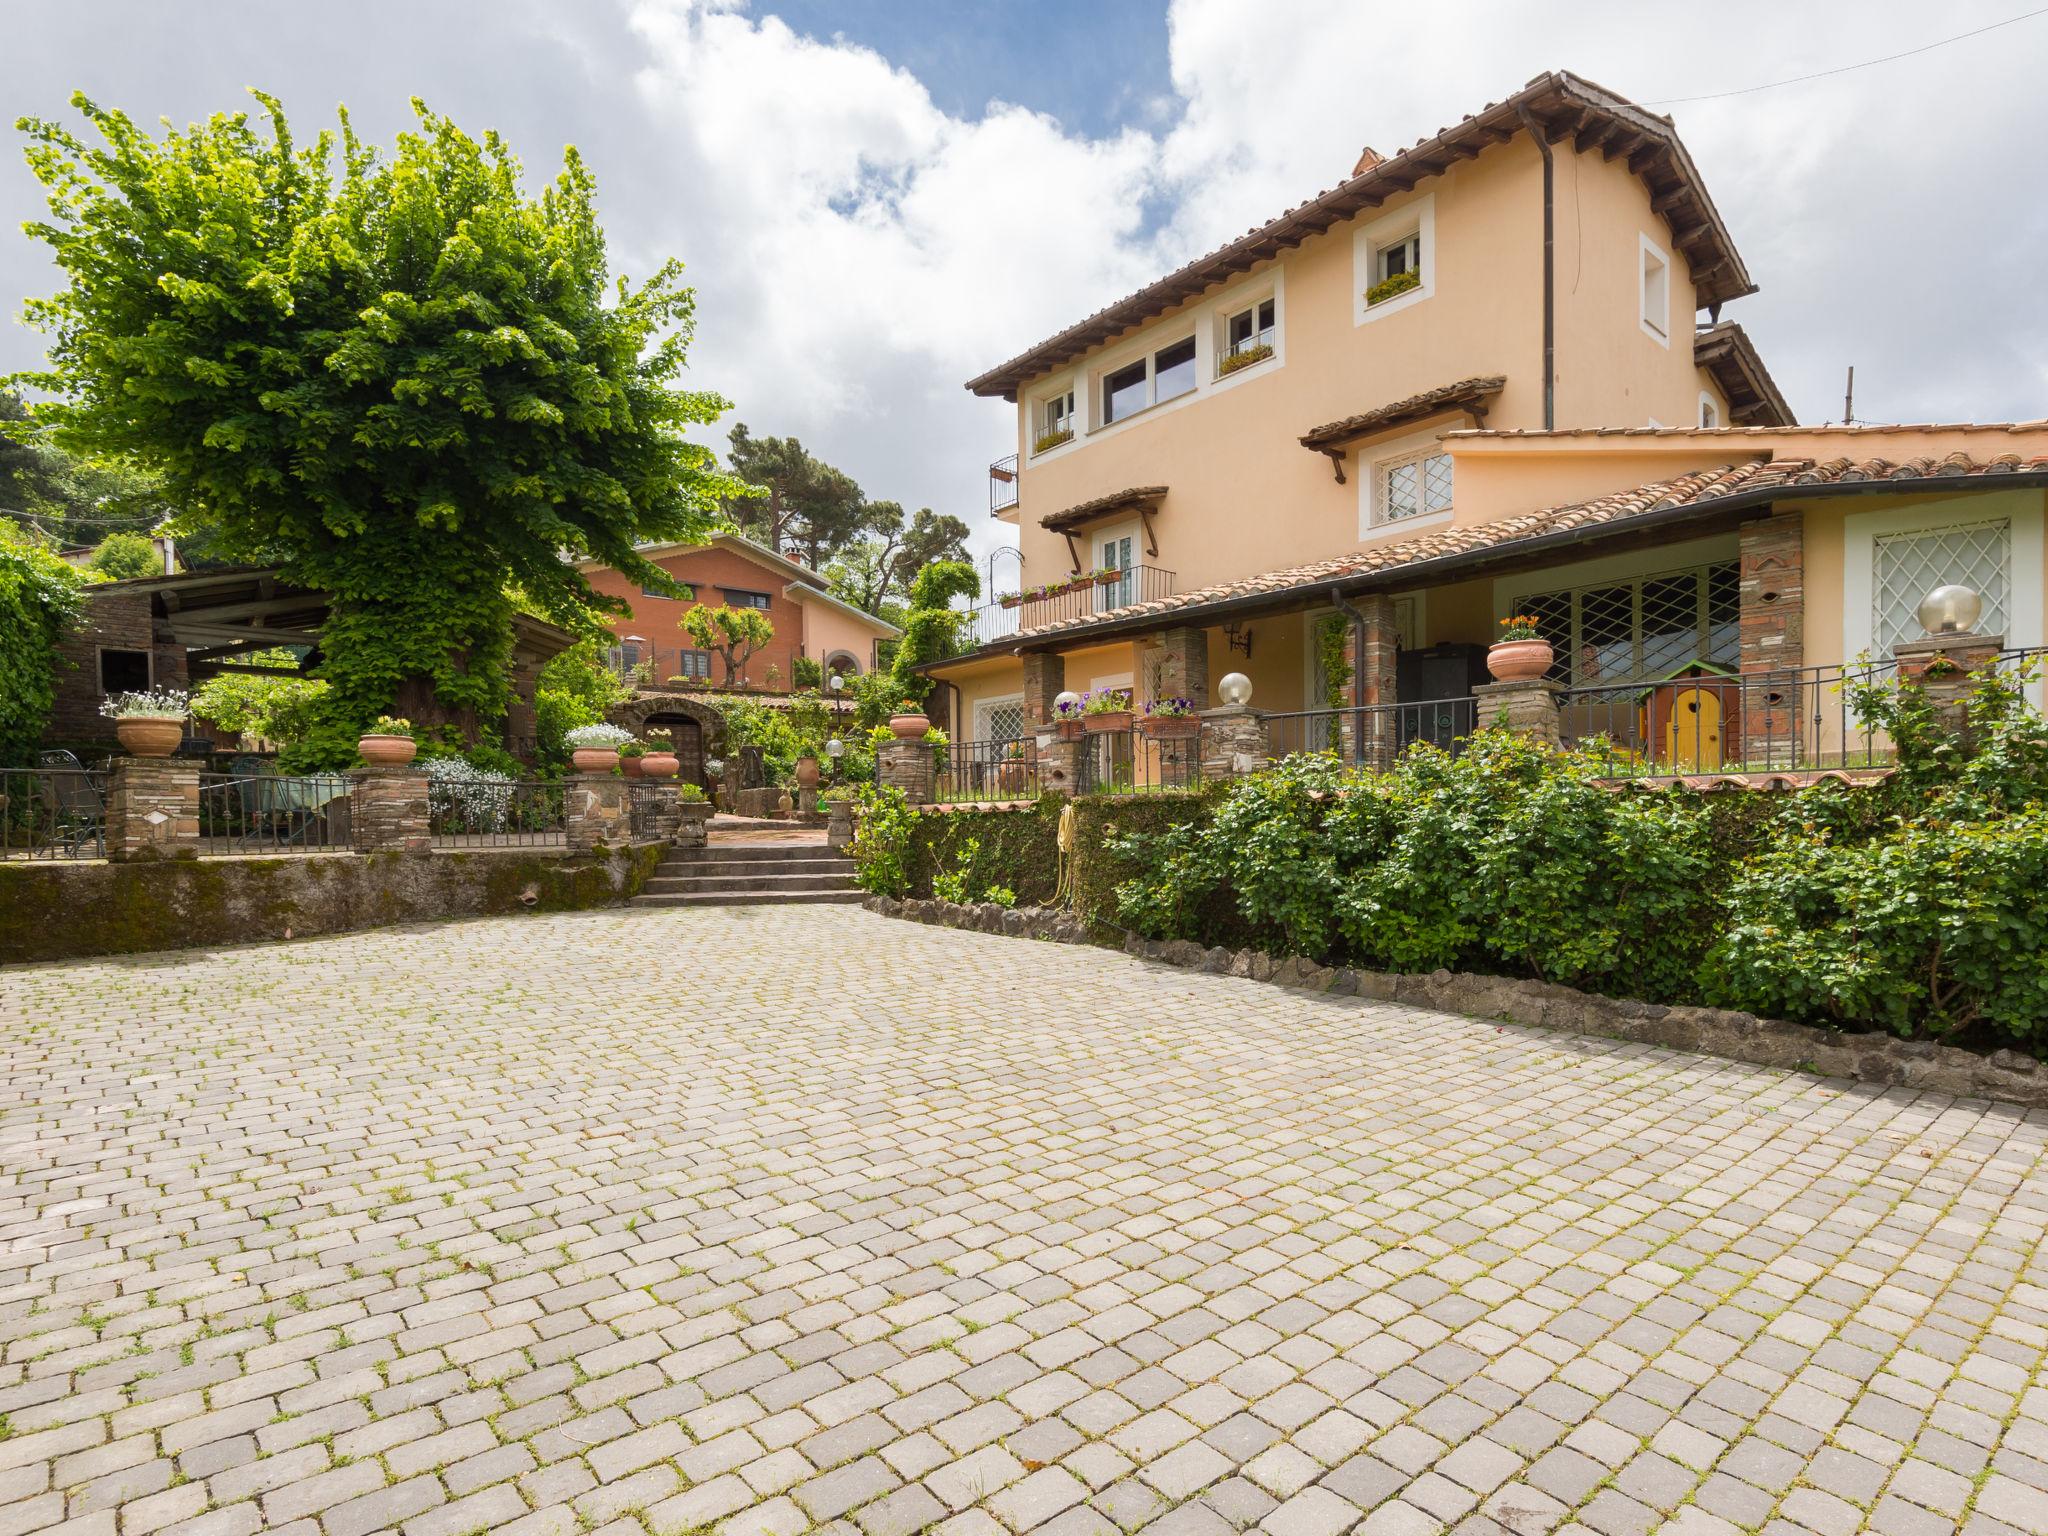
(1066, 714)
(595, 748)
(388, 743)
(1170, 718)
(909, 722)
(1521, 654)
(1244, 357)
(1010, 599)
(1106, 575)
(1105, 711)
(150, 723)
(1048, 441)
(659, 761)
(630, 753)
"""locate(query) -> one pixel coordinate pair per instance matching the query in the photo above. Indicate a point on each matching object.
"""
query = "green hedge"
(1103, 862)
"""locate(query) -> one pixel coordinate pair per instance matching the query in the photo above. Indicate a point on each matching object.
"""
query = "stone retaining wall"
(2007, 1076)
(62, 910)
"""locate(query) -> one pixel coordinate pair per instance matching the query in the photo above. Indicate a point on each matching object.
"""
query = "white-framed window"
(1414, 485)
(1116, 549)
(1653, 291)
(1247, 330)
(1397, 249)
(1055, 415)
(1710, 411)
(1158, 376)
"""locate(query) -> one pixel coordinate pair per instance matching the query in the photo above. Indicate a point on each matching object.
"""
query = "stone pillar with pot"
(1183, 674)
(1526, 705)
(693, 823)
(664, 816)
(906, 765)
(839, 825)
(1943, 663)
(596, 814)
(1772, 631)
(388, 809)
(1233, 742)
(152, 808)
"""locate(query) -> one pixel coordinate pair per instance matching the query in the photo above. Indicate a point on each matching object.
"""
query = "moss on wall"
(1101, 818)
(58, 911)
(1017, 847)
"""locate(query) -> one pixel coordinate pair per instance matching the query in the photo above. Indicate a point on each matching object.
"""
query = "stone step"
(745, 852)
(665, 883)
(746, 898)
(677, 865)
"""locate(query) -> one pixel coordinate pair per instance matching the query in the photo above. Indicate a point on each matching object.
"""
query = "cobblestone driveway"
(770, 1221)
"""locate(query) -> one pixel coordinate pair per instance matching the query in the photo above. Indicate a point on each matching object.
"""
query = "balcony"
(1075, 597)
(1002, 485)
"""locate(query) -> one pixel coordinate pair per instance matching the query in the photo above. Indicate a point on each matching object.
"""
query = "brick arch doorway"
(697, 729)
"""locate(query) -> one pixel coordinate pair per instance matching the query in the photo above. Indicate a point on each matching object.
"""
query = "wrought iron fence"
(274, 813)
(1133, 762)
(499, 813)
(53, 813)
(968, 771)
(1373, 734)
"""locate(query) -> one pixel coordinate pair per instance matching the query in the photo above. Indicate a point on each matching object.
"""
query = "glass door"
(1116, 553)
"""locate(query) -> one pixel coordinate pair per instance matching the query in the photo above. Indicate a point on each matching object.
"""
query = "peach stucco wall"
(827, 629)
(1244, 496)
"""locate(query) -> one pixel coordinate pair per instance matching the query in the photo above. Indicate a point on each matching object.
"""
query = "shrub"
(882, 826)
(38, 599)
(464, 797)
(281, 708)
(124, 556)
(806, 672)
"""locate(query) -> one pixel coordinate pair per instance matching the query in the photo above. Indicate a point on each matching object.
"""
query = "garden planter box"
(1171, 727)
(1067, 730)
(1108, 723)
(1012, 600)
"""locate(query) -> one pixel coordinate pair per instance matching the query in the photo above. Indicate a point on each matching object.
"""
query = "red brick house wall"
(656, 619)
(113, 619)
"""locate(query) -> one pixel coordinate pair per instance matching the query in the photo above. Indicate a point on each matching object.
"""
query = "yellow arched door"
(1692, 739)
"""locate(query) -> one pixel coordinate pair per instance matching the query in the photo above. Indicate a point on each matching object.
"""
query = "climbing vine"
(38, 596)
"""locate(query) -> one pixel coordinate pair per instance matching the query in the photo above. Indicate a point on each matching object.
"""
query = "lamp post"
(835, 749)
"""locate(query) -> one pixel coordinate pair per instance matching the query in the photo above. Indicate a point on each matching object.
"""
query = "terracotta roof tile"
(1727, 353)
(1080, 512)
(1702, 488)
(1472, 394)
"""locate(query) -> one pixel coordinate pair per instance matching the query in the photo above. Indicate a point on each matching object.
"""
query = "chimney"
(1368, 157)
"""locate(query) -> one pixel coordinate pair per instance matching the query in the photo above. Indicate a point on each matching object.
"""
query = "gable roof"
(1726, 352)
(1695, 496)
(807, 592)
(1561, 104)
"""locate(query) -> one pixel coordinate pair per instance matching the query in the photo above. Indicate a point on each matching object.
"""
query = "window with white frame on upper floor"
(1393, 260)
(1653, 294)
(1161, 375)
(1247, 335)
(1710, 413)
(1415, 485)
(1055, 424)
(1398, 256)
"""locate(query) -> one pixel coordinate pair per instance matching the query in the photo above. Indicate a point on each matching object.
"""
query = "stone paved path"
(770, 1221)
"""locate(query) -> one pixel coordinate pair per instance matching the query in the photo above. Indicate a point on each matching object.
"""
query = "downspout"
(1549, 268)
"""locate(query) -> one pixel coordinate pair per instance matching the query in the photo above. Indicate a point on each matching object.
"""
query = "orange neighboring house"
(735, 572)
(1486, 376)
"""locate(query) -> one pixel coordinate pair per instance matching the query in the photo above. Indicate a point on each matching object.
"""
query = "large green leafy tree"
(798, 504)
(400, 376)
(875, 573)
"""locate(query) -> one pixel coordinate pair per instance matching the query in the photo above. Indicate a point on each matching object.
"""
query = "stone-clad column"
(1372, 647)
(1772, 638)
(1045, 679)
(153, 808)
(1529, 707)
(1233, 742)
(388, 810)
(1184, 666)
(596, 811)
(1943, 667)
(907, 765)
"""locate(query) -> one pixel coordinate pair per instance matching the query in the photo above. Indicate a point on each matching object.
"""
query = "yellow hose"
(1069, 835)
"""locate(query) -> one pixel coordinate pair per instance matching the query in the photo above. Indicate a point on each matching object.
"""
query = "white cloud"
(861, 252)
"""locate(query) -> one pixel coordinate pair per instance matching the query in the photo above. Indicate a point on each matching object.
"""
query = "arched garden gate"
(698, 731)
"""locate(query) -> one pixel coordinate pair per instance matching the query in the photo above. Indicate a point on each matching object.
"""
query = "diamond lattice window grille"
(1908, 566)
(1626, 632)
(1436, 482)
(1004, 722)
(1417, 486)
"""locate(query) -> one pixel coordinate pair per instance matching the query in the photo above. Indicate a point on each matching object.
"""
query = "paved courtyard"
(780, 1220)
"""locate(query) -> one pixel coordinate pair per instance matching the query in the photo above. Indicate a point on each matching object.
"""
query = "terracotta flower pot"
(909, 727)
(594, 759)
(1012, 600)
(1171, 727)
(1519, 661)
(1107, 723)
(630, 766)
(150, 735)
(807, 772)
(659, 765)
(381, 751)
(1068, 730)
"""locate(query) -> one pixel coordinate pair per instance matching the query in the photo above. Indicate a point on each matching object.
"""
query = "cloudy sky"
(878, 198)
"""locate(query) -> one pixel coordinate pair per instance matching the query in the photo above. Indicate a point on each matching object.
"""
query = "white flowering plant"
(604, 738)
(150, 704)
(462, 797)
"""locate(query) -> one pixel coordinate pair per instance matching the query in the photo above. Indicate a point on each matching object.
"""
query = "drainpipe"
(1549, 269)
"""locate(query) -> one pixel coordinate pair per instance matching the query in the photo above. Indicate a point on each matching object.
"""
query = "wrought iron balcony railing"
(1002, 484)
(1075, 597)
